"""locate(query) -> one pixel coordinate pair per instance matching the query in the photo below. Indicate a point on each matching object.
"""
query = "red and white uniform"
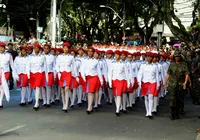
(148, 79)
(21, 67)
(65, 64)
(91, 72)
(36, 69)
(50, 69)
(119, 78)
(6, 62)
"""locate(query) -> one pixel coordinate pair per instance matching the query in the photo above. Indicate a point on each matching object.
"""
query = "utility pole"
(60, 24)
(53, 26)
(159, 25)
(124, 23)
(37, 26)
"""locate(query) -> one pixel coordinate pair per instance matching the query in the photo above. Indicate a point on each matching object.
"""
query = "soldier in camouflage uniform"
(195, 78)
(177, 77)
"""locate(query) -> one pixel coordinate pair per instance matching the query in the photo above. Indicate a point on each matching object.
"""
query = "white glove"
(139, 84)
(59, 75)
(77, 79)
(128, 85)
(84, 78)
(110, 84)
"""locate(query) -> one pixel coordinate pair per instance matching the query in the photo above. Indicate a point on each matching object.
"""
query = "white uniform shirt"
(21, 64)
(66, 63)
(6, 61)
(130, 72)
(135, 69)
(148, 73)
(50, 63)
(91, 67)
(37, 63)
(118, 71)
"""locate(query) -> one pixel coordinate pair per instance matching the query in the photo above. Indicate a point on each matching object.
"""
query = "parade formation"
(120, 74)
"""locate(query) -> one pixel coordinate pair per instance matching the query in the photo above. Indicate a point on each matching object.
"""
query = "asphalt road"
(53, 124)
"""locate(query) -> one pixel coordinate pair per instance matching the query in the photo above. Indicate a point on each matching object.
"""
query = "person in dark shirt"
(14, 54)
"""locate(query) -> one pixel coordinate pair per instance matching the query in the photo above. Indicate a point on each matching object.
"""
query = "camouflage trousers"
(195, 88)
(176, 98)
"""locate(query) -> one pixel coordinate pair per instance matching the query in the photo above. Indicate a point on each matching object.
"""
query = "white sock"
(53, 91)
(131, 99)
(44, 95)
(58, 92)
(37, 96)
(80, 93)
(110, 94)
(1, 95)
(96, 99)
(134, 97)
(138, 92)
(146, 105)
(66, 97)
(63, 97)
(124, 96)
(30, 94)
(70, 95)
(48, 93)
(150, 104)
(155, 103)
(23, 94)
(118, 103)
(90, 101)
(73, 96)
(100, 95)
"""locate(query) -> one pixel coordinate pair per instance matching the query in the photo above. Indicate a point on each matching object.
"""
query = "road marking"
(12, 129)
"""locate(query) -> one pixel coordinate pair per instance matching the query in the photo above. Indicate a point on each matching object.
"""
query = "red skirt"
(23, 80)
(82, 83)
(7, 75)
(50, 79)
(65, 79)
(130, 89)
(124, 90)
(92, 84)
(37, 80)
(74, 83)
(135, 86)
(157, 91)
(148, 88)
(118, 87)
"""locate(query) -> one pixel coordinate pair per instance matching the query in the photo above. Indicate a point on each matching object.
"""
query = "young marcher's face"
(117, 56)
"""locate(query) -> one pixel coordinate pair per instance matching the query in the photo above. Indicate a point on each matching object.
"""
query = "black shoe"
(96, 108)
(172, 118)
(36, 108)
(53, 103)
(41, 100)
(65, 110)
(88, 112)
(150, 117)
(72, 106)
(44, 105)
(110, 103)
(154, 113)
(30, 102)
(133, 105)
(48, 106)
(1, 106)
(117, 114)
(79, 104)
(130, 108)
(22, 104)
(182, 112)
(57, 101)
(125, 112)
(199, 117)
(100, 106)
